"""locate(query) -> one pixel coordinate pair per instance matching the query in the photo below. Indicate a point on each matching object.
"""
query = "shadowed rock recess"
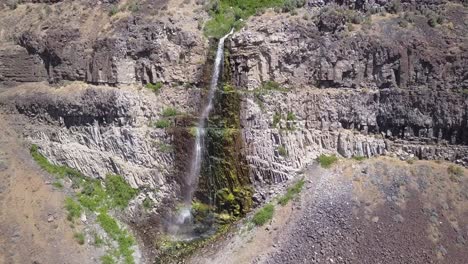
(116, 87)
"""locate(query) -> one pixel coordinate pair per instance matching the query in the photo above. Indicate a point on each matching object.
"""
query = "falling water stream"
(184, 216)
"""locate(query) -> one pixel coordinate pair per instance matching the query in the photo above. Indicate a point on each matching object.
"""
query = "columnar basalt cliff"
(378, 90)
(119, 93)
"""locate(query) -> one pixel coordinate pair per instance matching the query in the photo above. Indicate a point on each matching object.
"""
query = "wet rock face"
(138, 52)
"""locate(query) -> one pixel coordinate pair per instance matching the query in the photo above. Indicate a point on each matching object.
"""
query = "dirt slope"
(377, 211)
(33, 225)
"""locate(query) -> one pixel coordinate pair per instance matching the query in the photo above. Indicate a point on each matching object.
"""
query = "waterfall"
(191, 179)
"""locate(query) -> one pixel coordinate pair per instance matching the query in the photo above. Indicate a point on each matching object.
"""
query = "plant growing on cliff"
(327, 161)
(80, 238)
(282, 151)
(56, 170)
(73, 209)
(292, 192)
(162, 123)
(263, 215)
(124, 240)
(119, 191)
(227, 14)
(155, 87)
(169, 112)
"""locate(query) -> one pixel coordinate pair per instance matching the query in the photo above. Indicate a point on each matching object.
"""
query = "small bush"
(147, 203)
(432, 22)
(327, 161)
(169, 112)
(282, 151)
(98, 241)
(154, 87)
(162, 123)
(394, 6)
(292, 192)
(455, 170)
(114, 10)
(108, 259)
(291, 116)
(73, 208)
(403, 23)
(276, 119)
(57, 184)
(80, 238)
(264, 215)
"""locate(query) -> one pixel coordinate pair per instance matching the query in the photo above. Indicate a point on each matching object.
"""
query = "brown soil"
(33, 221)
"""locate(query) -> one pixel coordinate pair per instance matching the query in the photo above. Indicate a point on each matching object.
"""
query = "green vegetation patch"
(327, 161)
(263, 215)
(282, 151)
(227, 14)
(96, 196)
(124, 240)
(169, 112)
(80, 238)
(359, 158)
(162, 123)
(292, 192)
(155, 87)
(73, 208)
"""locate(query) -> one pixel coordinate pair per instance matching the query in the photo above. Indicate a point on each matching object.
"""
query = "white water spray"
(191, 178)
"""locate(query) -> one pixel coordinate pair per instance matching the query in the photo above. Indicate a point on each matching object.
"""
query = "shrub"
(291, 5)
(114, 10)
(276, 119)
(282, 151)
(73, 209)
(170, 111)
(291, 116)
(119, 191)
(394, 6)
(80, 238)
(57, 184)
(292, 192)
(455, 170)
(162, 123)
(147, 203)
(263, 215)
(327, 161)
(155, 87)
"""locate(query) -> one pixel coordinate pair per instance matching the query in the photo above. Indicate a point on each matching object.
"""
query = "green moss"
(264, 215)
(292, 192)
(327, 161)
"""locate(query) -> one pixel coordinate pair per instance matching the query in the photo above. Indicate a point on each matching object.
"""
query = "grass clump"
(292, 192)
(326, 161)
(162, 123)
(121, 236)
(73, 208)
(155, 87)
(57, 184)
(359, 158)
(147, 203)
(455, 170)
(282, 151)
(80, 238)
(98, 241)
(58, 171)
(169, 112)
(119, 191)
(114, 10)
(264, 215)
(291, 116)
(276, 119)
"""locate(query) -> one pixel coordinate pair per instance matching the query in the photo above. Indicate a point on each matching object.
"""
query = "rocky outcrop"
(100, 130)
(139, 52)
(384, 91)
